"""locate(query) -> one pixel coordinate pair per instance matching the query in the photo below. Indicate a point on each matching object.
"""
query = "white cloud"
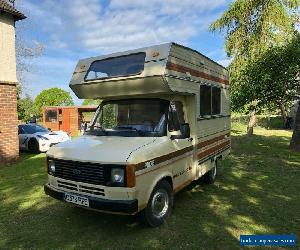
(122, 24)
(225, 62)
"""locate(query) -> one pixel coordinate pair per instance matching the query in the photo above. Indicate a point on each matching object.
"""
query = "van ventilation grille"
(68, 186)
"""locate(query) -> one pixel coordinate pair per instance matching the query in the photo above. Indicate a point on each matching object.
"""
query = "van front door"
(181, 143)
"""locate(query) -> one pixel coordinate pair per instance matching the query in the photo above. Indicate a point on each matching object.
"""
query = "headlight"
(117, 175)
(51, 167)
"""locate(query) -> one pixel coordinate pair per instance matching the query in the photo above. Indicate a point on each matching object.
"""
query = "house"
(67, 118)
(9, 142)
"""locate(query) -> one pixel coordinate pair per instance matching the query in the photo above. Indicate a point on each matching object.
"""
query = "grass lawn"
(257, 192)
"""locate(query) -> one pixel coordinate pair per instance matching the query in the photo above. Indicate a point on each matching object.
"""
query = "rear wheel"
(159, 206)
(210, 176)
(33, 146)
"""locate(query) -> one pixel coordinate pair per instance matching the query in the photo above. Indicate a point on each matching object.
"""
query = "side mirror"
(185, 132)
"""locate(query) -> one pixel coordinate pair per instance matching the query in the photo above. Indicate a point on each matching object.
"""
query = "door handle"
(190, 139)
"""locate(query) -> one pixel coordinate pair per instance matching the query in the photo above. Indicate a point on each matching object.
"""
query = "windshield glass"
(31, 129)
(117, 66)
(134, 117)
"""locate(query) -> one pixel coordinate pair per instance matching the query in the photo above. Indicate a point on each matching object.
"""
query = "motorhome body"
(164, 122)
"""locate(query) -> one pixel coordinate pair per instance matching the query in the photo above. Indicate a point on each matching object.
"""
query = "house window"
(51, 115)
(210, 100)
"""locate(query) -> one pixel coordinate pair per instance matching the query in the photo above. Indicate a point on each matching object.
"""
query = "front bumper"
(114, 206)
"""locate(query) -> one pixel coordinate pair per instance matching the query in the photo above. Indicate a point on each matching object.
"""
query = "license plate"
(78, 200)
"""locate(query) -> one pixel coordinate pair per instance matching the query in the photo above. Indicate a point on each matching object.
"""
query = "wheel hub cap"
(160, 203)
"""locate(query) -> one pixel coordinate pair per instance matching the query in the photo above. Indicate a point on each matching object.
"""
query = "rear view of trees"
(26, 108)
(251, 28)
(53, 97)
(295, 142)
(273, 78)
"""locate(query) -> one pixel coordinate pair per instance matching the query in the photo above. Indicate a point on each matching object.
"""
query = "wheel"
(33, 146)
(210, 176)
(159, 206)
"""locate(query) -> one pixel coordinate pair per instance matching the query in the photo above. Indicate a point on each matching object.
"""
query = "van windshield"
(133, 117)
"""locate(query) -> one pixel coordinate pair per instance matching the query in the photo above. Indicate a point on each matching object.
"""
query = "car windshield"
(31, 129)
(134, 117)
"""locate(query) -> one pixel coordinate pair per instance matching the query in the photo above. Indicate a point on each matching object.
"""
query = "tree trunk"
(252, 118)
(295, 141)
(283, 114)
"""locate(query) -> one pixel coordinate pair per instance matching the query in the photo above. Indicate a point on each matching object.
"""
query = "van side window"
(176, 116)
(216, 101)
(210, 100)
(205, 100)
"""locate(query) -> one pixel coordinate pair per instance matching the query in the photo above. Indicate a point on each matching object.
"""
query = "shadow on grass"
(256, 193)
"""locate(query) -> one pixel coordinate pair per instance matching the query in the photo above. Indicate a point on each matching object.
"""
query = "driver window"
(176, 116)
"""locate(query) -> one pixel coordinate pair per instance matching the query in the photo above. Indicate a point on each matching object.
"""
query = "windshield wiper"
(97, 126)
(93, 129)
(125, 127)
(131, 128)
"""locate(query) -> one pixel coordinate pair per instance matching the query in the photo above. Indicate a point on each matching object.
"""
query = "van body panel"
(99, 149)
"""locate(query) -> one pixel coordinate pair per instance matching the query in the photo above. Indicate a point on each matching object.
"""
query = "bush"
(269, 122)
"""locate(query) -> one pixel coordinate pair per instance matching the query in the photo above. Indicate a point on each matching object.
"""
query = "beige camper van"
(164, 122)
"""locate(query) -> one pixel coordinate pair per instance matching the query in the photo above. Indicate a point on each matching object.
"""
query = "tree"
(53, 97)
(251, 28)
(295, 142)
(274, 76)
(26, 48)
(26, 108)
(91, 102)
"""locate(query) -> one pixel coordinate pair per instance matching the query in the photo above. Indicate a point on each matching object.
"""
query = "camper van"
(164, 122)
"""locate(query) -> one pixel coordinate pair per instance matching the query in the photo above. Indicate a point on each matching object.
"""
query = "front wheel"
(159, 206)
(33, 146)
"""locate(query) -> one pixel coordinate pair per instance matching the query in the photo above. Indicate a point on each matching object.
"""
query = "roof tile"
(6, 7)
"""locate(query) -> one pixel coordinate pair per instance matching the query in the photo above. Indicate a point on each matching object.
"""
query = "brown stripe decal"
(201, 155)
(163, 158)
(212, 150)
(211, 141)
(196, 73)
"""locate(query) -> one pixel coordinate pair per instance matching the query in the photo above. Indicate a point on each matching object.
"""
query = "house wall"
(74, 122)
(7, 49)
(9, 142)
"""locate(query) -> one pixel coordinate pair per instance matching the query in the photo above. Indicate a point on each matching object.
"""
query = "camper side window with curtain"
(210, 100)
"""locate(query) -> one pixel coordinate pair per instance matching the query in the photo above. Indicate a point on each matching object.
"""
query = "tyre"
(159, 206)
(33, 146)
(210, 176)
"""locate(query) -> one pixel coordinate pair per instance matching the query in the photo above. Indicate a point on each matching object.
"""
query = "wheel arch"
(162, 176)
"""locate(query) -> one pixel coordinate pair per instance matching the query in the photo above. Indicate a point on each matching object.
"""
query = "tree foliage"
(27, 47)
(91, 102)
(295, 141)
(251, 28)
(53, 97)
(273, 78)
(26, 108)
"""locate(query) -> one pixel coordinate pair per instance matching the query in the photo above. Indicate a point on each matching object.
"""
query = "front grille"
(91, 173)
(80, 188)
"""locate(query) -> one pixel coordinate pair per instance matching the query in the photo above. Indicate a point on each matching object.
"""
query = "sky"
(73, 29)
